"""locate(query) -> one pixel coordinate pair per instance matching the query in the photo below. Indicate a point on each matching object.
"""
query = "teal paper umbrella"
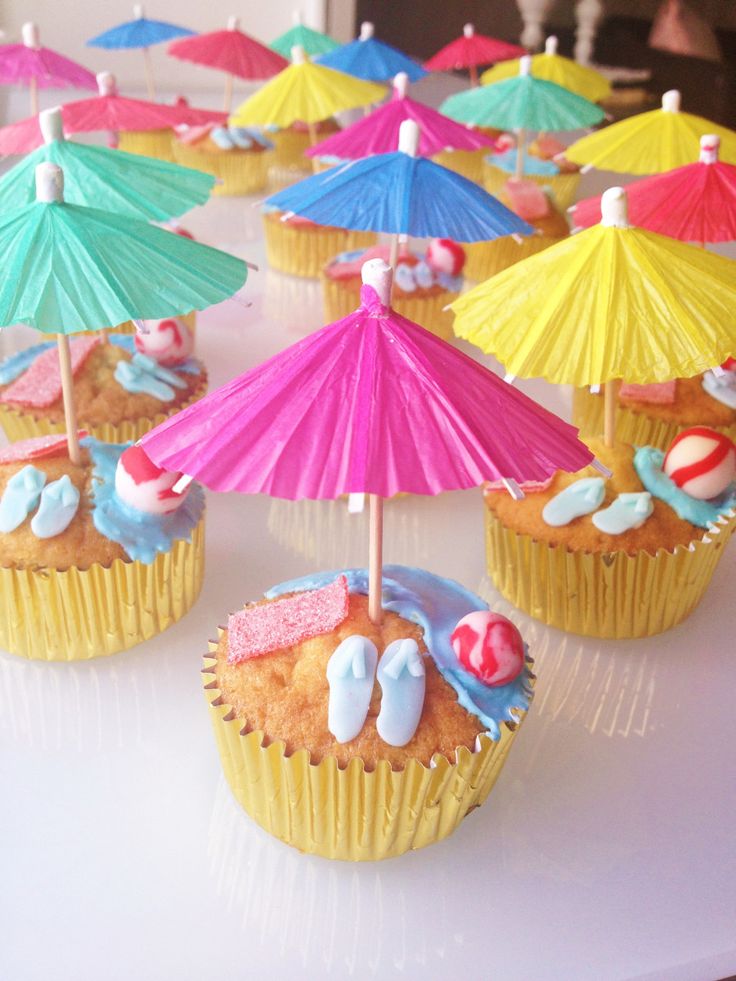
(124, 183)
(314, 42)
(522, 103)
(70, 269)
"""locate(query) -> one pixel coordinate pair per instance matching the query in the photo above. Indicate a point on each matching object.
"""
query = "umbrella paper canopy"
(124, 183)
(138, 33)
(611, 302)
(471, 50)
(552, 67)
(523, 102)
(368, 58)
(307, 93)
(694, 203)
(379, 132)
(107, 111)
(651, 142)
(230, 51)
(71, 268)
(401, 194)
(373, 403)
(29, 62)
(313, 42)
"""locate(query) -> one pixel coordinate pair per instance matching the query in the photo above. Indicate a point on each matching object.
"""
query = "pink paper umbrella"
(471, 50)
(695, 203)
(230, 51)
(109, 112)
(30, 64)
(370, 404)
(379, 132)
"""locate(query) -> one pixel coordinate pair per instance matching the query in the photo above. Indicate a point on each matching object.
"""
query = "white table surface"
(605, 851)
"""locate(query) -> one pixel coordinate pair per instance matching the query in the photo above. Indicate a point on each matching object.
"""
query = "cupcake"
(239, 157)
(485, 259)
(94, 557)
(468, 163)
(630, 556)
(288, 162)
(156, 143)
(123, 384)
(654, 414)
(356, 741)
(558, 175)
(423, 285)
(298, 247)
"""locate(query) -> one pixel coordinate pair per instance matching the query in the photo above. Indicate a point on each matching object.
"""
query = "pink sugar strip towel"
(658, 393)
(40, 385)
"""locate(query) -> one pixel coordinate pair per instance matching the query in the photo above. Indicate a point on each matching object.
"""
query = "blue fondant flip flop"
(628, 511)
(20, 497)
(59, 503)
(350, 672)
(580, 498)
(402, 678)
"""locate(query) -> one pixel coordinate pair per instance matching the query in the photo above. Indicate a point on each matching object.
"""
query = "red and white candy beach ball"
(489, 646)
(168, 341)
(144, 486)
(701, 461)
(445, 256)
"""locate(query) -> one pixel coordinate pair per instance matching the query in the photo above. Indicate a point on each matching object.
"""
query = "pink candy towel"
(40, 385)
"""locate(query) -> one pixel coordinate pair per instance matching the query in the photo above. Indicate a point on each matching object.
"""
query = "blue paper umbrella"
(370, 59)
(401, 194)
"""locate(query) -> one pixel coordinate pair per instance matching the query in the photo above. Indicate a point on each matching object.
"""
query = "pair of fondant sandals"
(59, 501)
(351, 671)
(628, 511)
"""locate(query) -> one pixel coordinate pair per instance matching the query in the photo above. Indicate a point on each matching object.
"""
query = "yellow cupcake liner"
(289, 146)
(240, 173)
(23, 425)
(77, 614)
(467, 163)
(351, 814)
(631, 427)
(427, 311)
(485, 259)
(613, 595)
(564, 186)
(303, 250)
(151, 143)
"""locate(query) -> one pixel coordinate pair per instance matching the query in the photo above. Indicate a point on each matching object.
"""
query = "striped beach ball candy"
(701, 461)
(143, 485)
(489, 646)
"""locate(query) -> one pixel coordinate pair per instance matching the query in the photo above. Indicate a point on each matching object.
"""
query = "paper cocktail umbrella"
(70, 268)
(613, 302)
(471, 50)
(124, 183)
(232, 52)
(523, 103)
(379, 132)
(368, 58)
(401, 194)
(370, 404)
(553, 67)
(651, 142)
(313, 42)
(108, 111)
(30, 64)
(140, 33)
(694, 203)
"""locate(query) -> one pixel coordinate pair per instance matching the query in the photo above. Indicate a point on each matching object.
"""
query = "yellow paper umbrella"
(613, 302)
(553, 67)
(651, 142)
(305, 93)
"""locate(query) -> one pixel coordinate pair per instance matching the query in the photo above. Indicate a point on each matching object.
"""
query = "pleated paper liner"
(467, 163)
(349, 813)
(485, 259)
(150, 143)
(631, 427)
(427, 311)
(241, 172)
(564, 186)
(303, 250)
(77, 614)
(23, 425)
(611, 595)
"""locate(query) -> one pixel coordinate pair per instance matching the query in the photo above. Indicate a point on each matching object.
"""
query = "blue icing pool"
(127, 342)
(142, 535)
(533, 166)
(14, 366)
(436, 604)
(648, 465)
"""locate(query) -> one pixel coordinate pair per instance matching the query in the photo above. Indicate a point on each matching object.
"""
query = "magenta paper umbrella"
(370, 404)
(471, 50)
(379, 132)
(694, 203)
(108, 112)
(30, 64)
